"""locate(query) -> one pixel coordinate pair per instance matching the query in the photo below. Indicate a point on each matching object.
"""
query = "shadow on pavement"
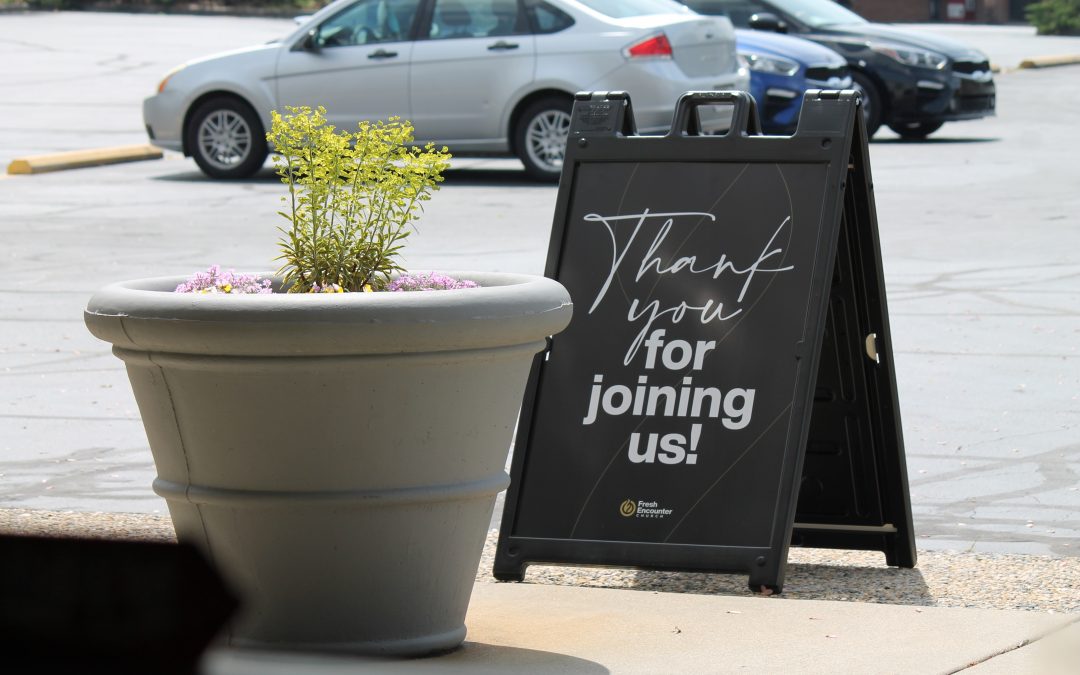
(193, 175)
(836, 579)
(477, 177)
(885, 585)
(472, 657)
(493, 178)
(932, 141)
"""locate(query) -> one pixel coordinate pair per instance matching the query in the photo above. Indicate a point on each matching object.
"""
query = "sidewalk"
(525, 628)
(592, 620)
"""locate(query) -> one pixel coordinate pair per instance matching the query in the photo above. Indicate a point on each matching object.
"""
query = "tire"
(540, 137)
(873, 103)
(915, 131)
(226, 138)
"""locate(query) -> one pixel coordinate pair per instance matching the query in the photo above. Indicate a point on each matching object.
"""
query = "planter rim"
(508, 309)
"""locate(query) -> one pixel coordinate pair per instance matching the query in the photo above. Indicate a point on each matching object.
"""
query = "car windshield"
(817, 13)
(622, 9)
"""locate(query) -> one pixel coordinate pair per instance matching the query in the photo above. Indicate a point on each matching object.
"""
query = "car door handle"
(502, 45)
(381, 54)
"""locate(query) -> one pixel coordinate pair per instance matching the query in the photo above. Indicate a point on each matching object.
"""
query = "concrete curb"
(82, 158)
(1050, 61)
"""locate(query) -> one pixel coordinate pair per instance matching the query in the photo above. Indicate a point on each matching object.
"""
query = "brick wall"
(992, 11)
(887, 11)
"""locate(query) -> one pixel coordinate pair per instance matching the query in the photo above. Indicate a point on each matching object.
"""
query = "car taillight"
(654, 46)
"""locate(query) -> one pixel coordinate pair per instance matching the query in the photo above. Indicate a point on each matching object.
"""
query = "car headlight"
(165, 80)
(917, 58)
(770, 64)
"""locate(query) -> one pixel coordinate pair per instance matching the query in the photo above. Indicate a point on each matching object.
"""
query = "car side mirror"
(768, 21)
(311, 42)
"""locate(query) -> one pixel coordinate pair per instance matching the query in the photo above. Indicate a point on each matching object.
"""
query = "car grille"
(823, 73)
(979, 103)
(970, 67)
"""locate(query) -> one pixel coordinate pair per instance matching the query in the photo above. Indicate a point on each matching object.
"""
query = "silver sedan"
(484, 77)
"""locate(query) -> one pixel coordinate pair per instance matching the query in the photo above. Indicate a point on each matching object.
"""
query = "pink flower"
(213, 280)
(432, 281)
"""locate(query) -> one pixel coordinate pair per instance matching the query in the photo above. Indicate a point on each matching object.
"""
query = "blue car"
(781, 69)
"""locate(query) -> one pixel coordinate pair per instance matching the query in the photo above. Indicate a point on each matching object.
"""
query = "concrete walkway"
(526, 628)
(590, 620)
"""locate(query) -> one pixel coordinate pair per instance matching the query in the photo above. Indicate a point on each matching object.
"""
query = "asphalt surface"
(979, 234)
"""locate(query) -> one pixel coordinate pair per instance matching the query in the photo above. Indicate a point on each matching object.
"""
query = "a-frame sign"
(726, 387)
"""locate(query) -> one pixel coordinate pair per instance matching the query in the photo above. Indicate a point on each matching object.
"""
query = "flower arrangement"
(214, 280)
(432, 281)
(351, 203)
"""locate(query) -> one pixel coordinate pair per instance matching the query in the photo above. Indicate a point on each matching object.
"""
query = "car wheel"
(226, 138)
(540, 137)
(915, 131)
(873, 104)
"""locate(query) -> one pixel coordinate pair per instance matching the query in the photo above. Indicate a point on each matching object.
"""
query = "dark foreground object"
(92, 606)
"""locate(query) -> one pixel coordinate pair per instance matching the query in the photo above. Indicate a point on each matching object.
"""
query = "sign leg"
(767, 576)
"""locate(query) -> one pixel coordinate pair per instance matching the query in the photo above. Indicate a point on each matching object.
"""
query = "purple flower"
(213, 280)
(432, 281)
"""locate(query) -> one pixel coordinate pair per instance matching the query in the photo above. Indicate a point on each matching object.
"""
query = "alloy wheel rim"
(545, 139)
(224, 139)
(867, 104)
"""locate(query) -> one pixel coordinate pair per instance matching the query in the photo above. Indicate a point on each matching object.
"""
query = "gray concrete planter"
(336, 456)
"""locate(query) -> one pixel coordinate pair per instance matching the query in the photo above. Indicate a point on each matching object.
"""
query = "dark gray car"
(912, 82)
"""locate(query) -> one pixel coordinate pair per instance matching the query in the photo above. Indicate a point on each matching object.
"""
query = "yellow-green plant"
(352, 198)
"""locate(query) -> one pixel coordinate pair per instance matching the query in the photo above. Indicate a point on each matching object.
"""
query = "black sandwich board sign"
(726, 387)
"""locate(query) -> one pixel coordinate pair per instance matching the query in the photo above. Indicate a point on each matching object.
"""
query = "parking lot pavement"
(979, 226)
(1007, 46)
(76, 80)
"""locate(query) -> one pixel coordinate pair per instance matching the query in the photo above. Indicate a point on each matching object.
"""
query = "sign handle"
(744, 116)
(602, 112)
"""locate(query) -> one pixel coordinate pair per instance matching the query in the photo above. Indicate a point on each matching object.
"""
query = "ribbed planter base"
(428, 644)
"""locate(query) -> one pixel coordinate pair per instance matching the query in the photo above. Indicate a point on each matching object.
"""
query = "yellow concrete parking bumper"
(1050, 61)
(82, 158)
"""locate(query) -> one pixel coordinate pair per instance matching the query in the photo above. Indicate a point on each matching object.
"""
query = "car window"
(739, 11)
(368, 22)
(622, 9)
(817, 13)
(547, 18)
(476, 18)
